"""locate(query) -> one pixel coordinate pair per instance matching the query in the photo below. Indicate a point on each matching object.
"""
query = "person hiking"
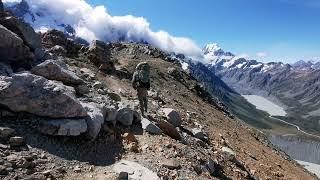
(141, 82)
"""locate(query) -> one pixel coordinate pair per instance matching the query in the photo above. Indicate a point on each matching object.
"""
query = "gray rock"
(56, 70)
(211, 166)
(87, 73)
(12, 48)
(41, 54)
(77, 169)
(135, 170)
(98, 85)
(3, 169)
(63, 127)
(171, 164)
(174, 72)
(16, 141)
(6, 132)
(173, 116)
(99, 54)
(198, 133)
(24, 30)
(111, 113)
(123, 176)
(82, 89)
(150, 127)
(58, 50)
(102, 92)
(96, 118)
(228, 151)
(34, 94)
(126, 116)
(114, 96)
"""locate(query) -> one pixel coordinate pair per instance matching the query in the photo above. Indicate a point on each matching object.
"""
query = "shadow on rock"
(103, 151)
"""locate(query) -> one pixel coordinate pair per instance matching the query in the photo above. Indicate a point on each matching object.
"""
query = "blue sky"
(268, 30)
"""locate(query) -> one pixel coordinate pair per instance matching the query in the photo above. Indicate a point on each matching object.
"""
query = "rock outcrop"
(34, 94)
(53, 38)
(57, 70)
(99, 54)
(13, 50)
(23, 30)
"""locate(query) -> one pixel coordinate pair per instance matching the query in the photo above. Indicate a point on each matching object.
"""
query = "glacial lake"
(265, 105)
(305, 152)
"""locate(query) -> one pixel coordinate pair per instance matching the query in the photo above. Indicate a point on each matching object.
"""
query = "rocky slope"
(71, 113)
(293, 86)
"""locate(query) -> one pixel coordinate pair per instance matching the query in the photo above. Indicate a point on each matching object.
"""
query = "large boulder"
(63, 127)
(57, 70)
(126, 116)
(172, 116)
(95, 119)
(34, 94)
(13, 50)
(99, 54)
(23, 30)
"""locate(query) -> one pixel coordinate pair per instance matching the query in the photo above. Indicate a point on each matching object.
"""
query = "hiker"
(141, 82)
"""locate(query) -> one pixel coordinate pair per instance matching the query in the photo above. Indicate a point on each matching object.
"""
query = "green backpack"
(143, 71)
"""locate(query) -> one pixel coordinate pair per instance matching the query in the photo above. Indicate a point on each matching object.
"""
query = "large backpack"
(143, 70)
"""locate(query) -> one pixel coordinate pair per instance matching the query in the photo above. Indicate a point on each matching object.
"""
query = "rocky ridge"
(71, 113)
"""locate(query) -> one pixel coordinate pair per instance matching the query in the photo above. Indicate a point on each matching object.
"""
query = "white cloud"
(93, 23)
(243, 55)
(262, 54)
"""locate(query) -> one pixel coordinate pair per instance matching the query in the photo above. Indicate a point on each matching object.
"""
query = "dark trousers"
(143, 101)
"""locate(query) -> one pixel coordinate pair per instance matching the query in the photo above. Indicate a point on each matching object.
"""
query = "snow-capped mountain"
(218, 59)
(306, 65)
(40, 18)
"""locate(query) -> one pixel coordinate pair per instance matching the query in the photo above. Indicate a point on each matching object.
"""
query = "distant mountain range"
(294, 86)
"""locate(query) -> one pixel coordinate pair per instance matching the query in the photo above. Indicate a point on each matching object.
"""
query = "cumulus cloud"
(262, 54)
(243, 55)
(91, 23)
